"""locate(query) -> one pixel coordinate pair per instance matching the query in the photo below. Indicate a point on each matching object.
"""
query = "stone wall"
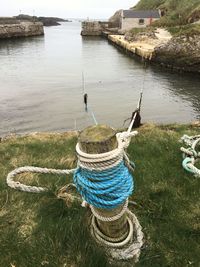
(90, 28)
(93, 28)
(21, 29)
(138, 48)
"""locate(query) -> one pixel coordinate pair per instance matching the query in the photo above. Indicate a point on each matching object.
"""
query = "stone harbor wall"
(21, 29)
(93, 28)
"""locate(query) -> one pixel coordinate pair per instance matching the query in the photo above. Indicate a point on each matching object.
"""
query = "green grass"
(150, 4)
(40, 230)
(177, 12)
(186, 30)
(134, 31)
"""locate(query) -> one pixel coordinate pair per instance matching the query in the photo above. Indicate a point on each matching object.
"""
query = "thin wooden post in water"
(95, 140)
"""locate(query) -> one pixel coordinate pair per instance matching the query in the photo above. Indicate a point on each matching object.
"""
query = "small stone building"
(138, 18)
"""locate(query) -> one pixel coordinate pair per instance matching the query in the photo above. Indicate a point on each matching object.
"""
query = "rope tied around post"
(190, 154)
(104, 181)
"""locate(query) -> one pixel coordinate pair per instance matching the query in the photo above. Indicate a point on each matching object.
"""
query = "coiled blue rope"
(105, 189)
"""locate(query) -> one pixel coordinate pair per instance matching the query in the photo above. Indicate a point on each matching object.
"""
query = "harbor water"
(41, 84)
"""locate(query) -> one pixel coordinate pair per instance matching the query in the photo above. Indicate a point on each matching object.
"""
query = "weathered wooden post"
(95, 140)
(113, 225)
(104, 181)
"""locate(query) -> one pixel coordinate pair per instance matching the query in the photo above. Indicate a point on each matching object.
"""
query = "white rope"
(130, 247)
(113, 218)
(99, 162)
(90, 161)
(189, 140)
(32, 189)
(114, 242)
(195, 170)
(103, 161)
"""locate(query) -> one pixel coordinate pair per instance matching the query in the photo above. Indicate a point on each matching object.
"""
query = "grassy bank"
(176, 12)
(39, 230)
(187, 30)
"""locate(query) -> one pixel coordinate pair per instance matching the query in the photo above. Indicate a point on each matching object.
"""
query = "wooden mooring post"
(95, 140)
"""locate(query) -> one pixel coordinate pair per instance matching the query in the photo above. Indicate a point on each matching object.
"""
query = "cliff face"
(115, 19)
(181, 53)
(21, 29)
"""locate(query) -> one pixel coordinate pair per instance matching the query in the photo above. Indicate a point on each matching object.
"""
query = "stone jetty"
(15, 28)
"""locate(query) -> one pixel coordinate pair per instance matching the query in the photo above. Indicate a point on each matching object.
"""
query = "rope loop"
(104, 181)
(190, 154)
(124, 138)
(32, 189)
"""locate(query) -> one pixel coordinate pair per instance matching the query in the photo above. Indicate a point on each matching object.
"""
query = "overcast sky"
(65, 8)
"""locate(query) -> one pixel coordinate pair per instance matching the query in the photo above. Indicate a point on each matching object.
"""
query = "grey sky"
(65, 8)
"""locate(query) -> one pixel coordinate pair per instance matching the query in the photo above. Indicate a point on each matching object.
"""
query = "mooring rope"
(86, 161)
(85, 96)
(190, 154)
(108, 189)
(104, 181)
(110, 219)
(92, 115)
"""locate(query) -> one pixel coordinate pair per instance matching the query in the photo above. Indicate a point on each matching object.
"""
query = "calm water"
(41, 84)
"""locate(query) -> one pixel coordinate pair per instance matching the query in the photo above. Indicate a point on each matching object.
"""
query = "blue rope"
(105, 189)
(93, 116)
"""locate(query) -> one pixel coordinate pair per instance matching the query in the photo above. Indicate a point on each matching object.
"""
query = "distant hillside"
(175, 12)
(149, 4)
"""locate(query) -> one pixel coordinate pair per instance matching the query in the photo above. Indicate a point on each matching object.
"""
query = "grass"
(186, 30)
(135, 31)
(150, 4)
(39, 230)
(177, 12)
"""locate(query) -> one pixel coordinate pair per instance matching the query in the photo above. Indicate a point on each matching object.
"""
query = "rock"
(140, 36)
(8, 20)
(21, 29)
(47, 21)
(181, 53)
(115, 20)
(195, 124)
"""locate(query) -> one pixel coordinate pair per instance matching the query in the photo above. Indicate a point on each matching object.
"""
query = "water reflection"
(16, 45)
(188, 88)
(41, 84)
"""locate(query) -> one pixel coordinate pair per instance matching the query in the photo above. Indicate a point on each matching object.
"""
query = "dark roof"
(141, 13)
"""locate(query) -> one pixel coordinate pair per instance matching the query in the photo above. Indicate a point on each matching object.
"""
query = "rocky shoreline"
(179, 53)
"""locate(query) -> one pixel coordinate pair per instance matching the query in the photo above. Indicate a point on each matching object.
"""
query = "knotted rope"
(104, 181)
(123, 142)
(32, 189)
(190, 154)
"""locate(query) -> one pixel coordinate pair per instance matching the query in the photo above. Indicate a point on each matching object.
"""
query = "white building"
(138, 18)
